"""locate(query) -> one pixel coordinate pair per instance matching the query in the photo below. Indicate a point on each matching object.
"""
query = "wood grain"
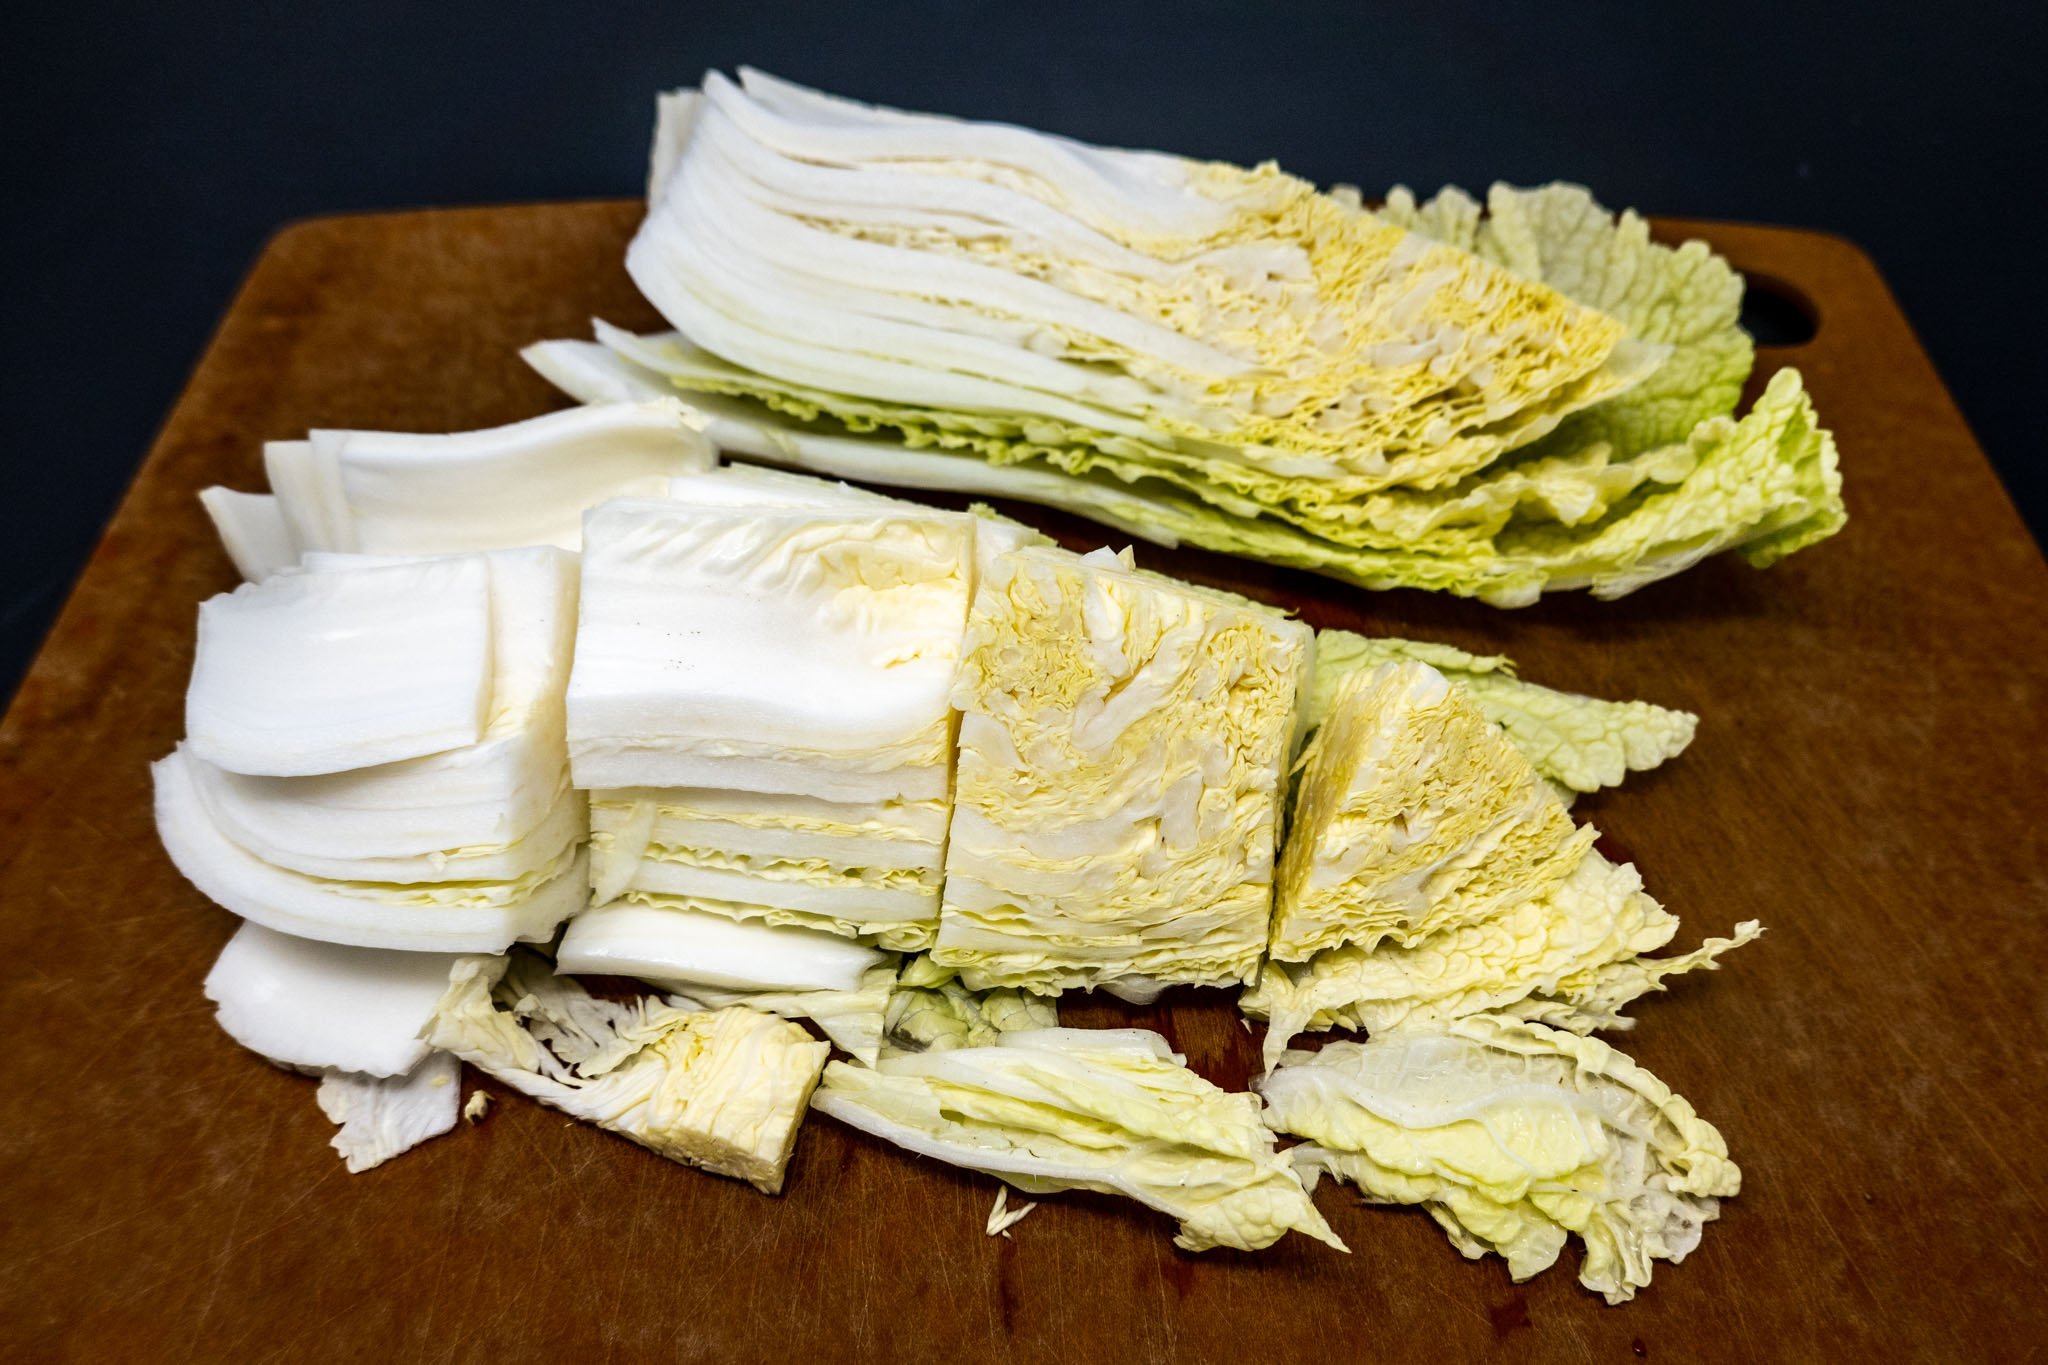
(1867, 781)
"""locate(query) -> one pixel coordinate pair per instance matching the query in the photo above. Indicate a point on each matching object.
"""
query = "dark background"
(150, 149)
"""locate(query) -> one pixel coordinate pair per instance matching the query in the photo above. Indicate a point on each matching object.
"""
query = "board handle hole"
(1775, 313)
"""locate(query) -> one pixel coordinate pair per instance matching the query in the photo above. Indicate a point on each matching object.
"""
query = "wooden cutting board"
(1867, 781)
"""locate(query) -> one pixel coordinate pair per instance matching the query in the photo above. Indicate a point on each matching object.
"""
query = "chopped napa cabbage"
(1122, 744)
(1194, 319)
(769, 649)
(253, 531)
(1572, 959)
(483, 806)
(1413, 814)
(384, 1116)
(1513, 1136)
(724, 1090)
(523, 484)
(1109, 1110)
(1581, 743)
(854, 1019)
(320, 673)
(325, 1006)
(688, 950)
(449, 917)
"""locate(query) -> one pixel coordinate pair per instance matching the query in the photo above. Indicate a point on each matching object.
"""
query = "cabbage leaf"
(1581, 743)
(1113, 1110)
(1514, 1137)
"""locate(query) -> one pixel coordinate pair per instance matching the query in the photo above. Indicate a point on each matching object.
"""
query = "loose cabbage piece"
(383, 1117)
(1110, 1110)
(253, 531)
(320, 673)
(1594, 996)
(523, 484)
(1513, 1136)
(324, 1006)
(690, 950)
(447, 917)
(352, 1016)
(931, 1011)
(1001, 1218)
(854, 1019)
(1581, 743)
(494, 809)
(724, 1090)
(1122, 743)
(1572, 959)
(1413, 814)
(760, 694)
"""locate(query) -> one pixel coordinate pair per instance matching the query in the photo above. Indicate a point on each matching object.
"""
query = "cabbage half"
(1193, 353)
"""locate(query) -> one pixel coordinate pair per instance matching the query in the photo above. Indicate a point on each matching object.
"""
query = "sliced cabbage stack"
(1196, 352)
(396, 493)
(1123, 739)
(1112, 1110)
(376, 752)
(353, 1017)
(759, 707)
(1429, 873)
(725, 1090)
(1578, 743)
(1513, 1136)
